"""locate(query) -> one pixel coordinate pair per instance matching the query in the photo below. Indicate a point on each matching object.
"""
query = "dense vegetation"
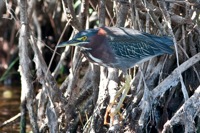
(75, 94)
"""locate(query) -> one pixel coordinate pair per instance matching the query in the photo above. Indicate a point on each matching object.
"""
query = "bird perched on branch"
(119, 48)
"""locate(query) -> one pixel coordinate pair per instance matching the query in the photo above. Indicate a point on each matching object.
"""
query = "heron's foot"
(107, 114)
(111, 114)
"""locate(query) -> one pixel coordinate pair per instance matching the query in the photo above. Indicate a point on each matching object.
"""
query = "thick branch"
(173, 79)
(24, 68)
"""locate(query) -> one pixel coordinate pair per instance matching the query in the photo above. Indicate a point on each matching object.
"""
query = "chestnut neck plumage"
(98, 51)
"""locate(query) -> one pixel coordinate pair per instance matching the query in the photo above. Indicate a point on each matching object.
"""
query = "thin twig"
(168, 22)
(11, 120)
(67, 24)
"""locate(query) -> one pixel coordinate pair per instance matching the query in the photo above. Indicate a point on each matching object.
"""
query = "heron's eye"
(83, 38)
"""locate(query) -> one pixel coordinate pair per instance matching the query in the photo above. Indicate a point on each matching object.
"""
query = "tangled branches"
(164, 94)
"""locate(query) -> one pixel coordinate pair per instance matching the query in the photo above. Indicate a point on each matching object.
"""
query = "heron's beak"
(72, 42)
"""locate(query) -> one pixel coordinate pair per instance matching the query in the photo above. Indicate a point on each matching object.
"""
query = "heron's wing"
(133, 47)
(139, 44)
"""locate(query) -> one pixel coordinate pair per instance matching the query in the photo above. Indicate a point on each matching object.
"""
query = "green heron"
(119, 48)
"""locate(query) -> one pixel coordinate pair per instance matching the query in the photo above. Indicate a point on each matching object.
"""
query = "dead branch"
(186, 114)
(173, 79)
(27, 95)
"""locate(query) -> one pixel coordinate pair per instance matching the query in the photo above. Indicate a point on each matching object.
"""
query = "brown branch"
(49, 87)
(75, 22)
(27, 92)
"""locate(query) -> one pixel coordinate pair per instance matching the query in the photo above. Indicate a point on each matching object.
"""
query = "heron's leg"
(111, 105)
(125, 90)
(114, 110)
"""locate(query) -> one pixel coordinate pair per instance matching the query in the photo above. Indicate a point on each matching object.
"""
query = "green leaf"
(77, 3)
(6, 73)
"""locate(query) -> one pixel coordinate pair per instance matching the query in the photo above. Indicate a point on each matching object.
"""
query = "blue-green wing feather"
(132, 44)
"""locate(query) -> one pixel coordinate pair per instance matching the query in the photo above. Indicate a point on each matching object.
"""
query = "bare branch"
(173, 79)
(27, 93)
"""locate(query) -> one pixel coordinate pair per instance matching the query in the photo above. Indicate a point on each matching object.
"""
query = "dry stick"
(84, 14)
(168, 22)
(89, 81)
(195, 70)
(77, 56)
(10, 11)
(173, 79)
(154, 18)
(39, 31)
(145, 101)
(96, 89)
(75, 70)
(72, 91)
(109, 14)
(138, 18)
(84, 100)
(63, 56)
(24, 68)
(155, 11)
(102, 13)
(122, 12)
(184, 51)
(25, 71)
(50, 86)
(87, 84)
(147, 17)
(15, 24)
(75, 22)
(186, 113)
(31, 8)
(11, 120)
(66, 49)
(99, 110)
(67, 24)
(162, 68)
(132, 13)
(112, 85)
